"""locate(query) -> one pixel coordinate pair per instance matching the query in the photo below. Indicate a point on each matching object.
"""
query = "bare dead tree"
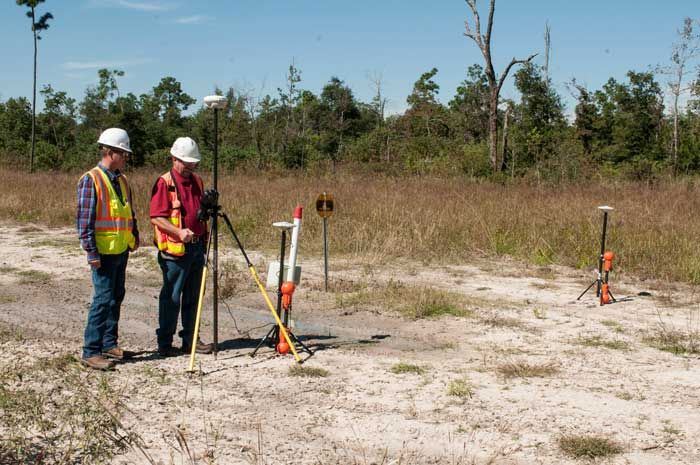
(686, 49)
(495, 82)
(547, 45)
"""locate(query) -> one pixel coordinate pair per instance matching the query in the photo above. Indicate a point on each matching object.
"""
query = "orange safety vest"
(164, 241)
(114, 219)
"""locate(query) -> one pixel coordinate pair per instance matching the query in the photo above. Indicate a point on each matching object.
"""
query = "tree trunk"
(31, 156)
(504, 139)
(493, 131)
(675, 134)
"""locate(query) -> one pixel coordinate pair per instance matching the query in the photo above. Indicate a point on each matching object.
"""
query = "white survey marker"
(295, 243)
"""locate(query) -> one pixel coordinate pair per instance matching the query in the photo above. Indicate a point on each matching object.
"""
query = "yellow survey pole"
(195, 336)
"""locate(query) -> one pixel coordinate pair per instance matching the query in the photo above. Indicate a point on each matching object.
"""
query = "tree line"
(620, 129)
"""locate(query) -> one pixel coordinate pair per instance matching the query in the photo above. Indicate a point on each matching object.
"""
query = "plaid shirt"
(87, 208)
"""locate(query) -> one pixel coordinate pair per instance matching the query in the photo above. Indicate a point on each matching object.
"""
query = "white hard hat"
(115, 138)
(185, 149)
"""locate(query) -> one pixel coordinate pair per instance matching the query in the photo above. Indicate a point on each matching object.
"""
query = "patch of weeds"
(233, 280)
(410, 301)
(307, 371)
(29, 229)
(60, 417)
(588, 446)
(670, 430)
(625, 395)
(613, 325)
(5, 269)
(526, 370)
(159, 375)
(401, 368)
(460, 388)
(7, 299)
(497, 321)
(8, 334)
(57, 363)
(34, 277)
(599, 341)
(56, 243)
(675, 342)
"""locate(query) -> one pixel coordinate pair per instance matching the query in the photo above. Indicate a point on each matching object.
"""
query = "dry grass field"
(451, 333)
(653, 231)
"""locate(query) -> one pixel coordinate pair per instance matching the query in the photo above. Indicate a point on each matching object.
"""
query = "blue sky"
(249, 44)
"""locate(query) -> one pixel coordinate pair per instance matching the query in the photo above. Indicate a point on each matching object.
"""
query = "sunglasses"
(123, 153)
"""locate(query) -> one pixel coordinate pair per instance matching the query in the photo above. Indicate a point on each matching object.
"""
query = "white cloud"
(78, 65)
(133, 5)
(196, 19)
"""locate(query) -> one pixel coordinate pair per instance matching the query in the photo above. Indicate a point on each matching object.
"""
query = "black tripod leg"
(587, 289)
(269, 337)
(297, 342)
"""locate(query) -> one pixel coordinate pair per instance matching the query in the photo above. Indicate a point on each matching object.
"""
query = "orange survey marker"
(606, 296)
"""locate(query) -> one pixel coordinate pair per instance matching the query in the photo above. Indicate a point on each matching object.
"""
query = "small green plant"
(526, 370)
(588, 446)
(613, 325)
(539, 313)
(401, 368)
(460, 388)
(625, 395)
(307, 371)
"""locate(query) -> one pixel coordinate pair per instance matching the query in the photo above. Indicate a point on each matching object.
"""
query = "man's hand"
(95, 264)
(185, 235)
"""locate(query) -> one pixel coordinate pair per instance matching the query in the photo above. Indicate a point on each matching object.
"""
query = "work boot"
(169, 351)
(201, 348)
(118, 353)
(97, 362)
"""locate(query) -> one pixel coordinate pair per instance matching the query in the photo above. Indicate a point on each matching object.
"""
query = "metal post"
(325, 251)
(602, 252)
(215, 234)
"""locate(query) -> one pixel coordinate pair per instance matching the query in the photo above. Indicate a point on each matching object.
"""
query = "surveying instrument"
(285, 290)
(605, 260)
(211, 210)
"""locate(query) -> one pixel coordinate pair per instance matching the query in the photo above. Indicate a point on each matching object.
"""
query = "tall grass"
(653, 230)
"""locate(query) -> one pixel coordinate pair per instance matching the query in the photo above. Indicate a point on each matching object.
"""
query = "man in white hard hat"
(107, 229)
(180, 237)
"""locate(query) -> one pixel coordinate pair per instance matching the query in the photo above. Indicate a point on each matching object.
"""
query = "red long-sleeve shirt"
(190, 196)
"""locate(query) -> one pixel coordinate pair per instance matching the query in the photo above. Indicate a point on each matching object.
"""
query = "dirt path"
(502, 385)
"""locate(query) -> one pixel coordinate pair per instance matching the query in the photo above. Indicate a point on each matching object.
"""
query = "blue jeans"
(102, 328)
(182, 277)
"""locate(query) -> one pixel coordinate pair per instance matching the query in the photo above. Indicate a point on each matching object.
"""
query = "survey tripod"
(210, 208)
(272, 338)
(604, 265)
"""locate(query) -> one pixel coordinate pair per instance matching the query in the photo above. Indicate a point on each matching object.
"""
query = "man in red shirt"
(180, 238)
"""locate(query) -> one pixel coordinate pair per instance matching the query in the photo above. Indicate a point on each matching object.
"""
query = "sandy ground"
(240, 409)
